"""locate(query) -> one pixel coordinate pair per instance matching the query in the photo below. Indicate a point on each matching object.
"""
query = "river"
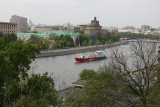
(64, 70)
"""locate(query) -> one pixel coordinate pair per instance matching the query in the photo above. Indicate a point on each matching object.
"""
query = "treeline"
(8, 37)
(65, 41)
(82, 40)
(136, 36)
(62, 41)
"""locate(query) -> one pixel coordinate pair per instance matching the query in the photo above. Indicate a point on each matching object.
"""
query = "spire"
(95, 19)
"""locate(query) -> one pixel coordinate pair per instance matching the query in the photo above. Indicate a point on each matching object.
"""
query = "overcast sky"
(118, 13)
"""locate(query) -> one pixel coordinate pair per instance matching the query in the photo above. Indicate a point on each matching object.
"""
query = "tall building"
(8, 28)
(22, 24)
(145, 28)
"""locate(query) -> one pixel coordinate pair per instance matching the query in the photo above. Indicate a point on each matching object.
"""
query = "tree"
(97, 90)
(79, 31)
(143, 58)
(54, 45)
(83, 38)
(87, 74)
(15, 60)
(154, 95)
(9, 37)
(40, 41)
(56, 38)
(38, 91)
(34, 39)
(2, 43)
(91, 42)
(98, 42)
(84, 43)
(109, 42)
(51, 37)
(136, 36)
(67, 40)
(1, 34)
(17, 87)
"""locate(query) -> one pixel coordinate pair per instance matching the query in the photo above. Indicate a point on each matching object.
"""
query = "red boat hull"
(85, 59)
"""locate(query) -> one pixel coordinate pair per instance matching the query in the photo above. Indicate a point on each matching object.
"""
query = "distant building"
(76, 27)
(68, 26)
(145, 28)
(8, 28)
(30, 23)
(129, 27)
(26, 36)
(43, 29)
(21, 22)
(156, 32)
(93, 29)
(115, 32)
(73, 35)
(45, 35)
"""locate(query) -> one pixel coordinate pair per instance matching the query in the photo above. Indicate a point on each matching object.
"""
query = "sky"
(119, 13)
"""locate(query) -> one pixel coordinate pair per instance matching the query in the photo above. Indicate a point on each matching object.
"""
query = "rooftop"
(39, 34)
(15, 16)
(7, 23)
(66, 32)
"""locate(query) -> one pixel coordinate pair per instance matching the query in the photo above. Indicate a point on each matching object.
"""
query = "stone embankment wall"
(60, 52)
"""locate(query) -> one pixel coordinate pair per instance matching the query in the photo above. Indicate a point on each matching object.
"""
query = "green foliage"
(84, 43)
(135, 36)
(154, 93)
(1, 34)
(29, 32)
(62, 41)
(79, 31)
(2, 43)
(17, 88)
(98, 42)
(40, 41)
(87, 74)
(54, 45)
(91, 42)
(15, 59)
(51, 37)
(34, 39)
(9, 37)
(109, 42)
(110, 37)
(39, 91)
(96, 90)
(56, 38)
(83, 38)
(34, 32)
(159, 53)
(67, 41)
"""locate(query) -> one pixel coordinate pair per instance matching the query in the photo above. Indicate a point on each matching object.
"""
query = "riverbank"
(60, 52)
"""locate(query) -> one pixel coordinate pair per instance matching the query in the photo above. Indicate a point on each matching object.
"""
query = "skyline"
(119, 13)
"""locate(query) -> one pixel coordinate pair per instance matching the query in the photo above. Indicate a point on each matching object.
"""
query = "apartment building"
(8, 28)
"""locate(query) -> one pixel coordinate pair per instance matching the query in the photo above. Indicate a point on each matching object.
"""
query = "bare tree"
(135, 70)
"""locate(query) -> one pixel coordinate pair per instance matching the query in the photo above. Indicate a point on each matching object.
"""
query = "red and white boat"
(98, 55)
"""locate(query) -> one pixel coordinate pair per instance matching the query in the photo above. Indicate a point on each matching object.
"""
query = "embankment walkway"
(60, 52)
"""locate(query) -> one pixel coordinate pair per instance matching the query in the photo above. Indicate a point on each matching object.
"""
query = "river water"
(64, 70)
